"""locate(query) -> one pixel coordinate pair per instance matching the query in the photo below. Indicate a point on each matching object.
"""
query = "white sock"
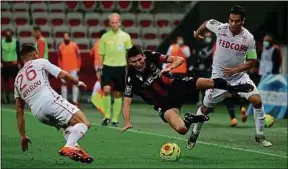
(67, 132)
(198, 126)
(64, 91)
(259, 116)
(75, 93)
(76, 133)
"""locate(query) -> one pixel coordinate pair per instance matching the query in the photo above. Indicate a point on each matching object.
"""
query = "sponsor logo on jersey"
(234, 46)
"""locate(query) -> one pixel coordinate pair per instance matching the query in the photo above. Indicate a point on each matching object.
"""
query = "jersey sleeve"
(157, 57)
(251, 49)
(50, 68)
(128, 43)
(213, 25)
(129, 85)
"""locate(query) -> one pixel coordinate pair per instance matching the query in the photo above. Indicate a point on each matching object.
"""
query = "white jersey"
(32, 84)
(230, 50)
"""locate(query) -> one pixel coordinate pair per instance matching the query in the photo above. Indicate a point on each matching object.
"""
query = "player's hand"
(82, 85)
(127, 126)
(24, 143)
(199, 37)
(98, 75)
(229, 71)
(167, 69)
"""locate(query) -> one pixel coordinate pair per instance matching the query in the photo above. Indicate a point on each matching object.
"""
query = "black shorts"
(9, 72)
(114, 77)
(177, 96)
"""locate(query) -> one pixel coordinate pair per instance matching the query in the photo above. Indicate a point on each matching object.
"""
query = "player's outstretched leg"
(259, 116)
(203, 110)
(78, 125)
(182, 126)
(219, 83)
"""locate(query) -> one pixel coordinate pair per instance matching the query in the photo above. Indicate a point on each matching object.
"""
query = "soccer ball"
(170, 152)
(269, 120)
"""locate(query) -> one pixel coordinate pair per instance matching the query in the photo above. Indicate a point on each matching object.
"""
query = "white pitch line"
(182, 139)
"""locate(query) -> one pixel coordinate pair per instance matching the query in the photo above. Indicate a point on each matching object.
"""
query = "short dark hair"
(134, 51)
(36, 28)
(26, 49)
(238, 10)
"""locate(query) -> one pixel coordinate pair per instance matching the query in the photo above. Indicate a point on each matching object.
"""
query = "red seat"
(6, 18)
(128, 19)
(72, 5)
(59, 31)
(88, 5)
(92, 19)
(40, 18)
(74, 18)
(25, 31)
(146, 6)
(107, 5)
(57, 19)
(79, 31)
(124, 5)
(21, 18)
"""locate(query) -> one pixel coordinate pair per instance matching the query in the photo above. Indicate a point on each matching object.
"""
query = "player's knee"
(87, 123)
(256, 101)
(106, 90)
(181, 130)
(206, 110)
(117, 94)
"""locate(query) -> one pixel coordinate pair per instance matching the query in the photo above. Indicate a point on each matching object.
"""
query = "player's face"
(114, 22)
(36, 33)
(138, 62)
(235, 22)
(66, 37)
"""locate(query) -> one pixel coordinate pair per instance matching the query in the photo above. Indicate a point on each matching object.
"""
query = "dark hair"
(134, 51)
(36, 28)
(238, 10)
(26, 49)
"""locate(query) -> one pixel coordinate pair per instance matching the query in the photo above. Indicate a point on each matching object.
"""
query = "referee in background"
(112, 51)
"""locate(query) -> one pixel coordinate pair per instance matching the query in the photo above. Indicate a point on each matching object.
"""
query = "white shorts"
(73, 73)
(214, 96)
(57, 113)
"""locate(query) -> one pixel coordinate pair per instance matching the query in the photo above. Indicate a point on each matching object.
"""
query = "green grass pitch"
(219, 145)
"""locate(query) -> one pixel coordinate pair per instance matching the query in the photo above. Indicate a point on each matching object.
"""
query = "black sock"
(187, 123)
(220, 83)
(230, 108)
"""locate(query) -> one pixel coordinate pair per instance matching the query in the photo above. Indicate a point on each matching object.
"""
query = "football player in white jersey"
(234, 44)
(32, 87)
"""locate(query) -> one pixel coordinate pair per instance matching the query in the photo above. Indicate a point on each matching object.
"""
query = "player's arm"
(175, 61)
(20, 116)
(126, 113)
(128, 95)
(67, 77)
(59, 73)
(200, 30)
(21, 123)
(211, 24)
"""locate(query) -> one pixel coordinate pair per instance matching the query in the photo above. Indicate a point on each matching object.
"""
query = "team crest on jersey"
(214, 22)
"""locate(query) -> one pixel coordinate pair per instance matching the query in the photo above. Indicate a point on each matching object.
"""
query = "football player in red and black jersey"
(158, 87)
